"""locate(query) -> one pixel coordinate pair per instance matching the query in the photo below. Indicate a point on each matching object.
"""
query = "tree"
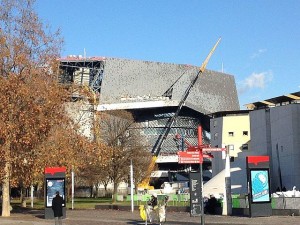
(141, 160)
(66, 147)
(31, 99)
(125, 145)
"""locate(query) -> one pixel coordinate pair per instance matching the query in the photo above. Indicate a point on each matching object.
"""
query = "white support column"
(72, 174)
(31, 195)
(131, 185)
(227, 202)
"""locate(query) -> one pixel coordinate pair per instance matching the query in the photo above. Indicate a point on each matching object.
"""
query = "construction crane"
(156, 149)
(167, 128)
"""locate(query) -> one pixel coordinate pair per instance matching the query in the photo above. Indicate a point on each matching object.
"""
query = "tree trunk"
(115, 193)
(5, 191)
(105, 189)
(91, 191)
(97, 191)
(23, 197)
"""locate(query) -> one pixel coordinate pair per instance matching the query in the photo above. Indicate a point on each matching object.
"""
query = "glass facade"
(152, 122)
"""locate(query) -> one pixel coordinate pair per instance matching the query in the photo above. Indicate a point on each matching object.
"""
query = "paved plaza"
(117, 217)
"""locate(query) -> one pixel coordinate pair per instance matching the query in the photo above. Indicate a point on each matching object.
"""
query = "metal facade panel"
(142, 80)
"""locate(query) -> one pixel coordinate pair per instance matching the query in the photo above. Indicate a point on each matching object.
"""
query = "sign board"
(258, 177)
(195, 198)
(190, 157)
(259, 185)
(53, 185)
(55, 178)
(213, 149)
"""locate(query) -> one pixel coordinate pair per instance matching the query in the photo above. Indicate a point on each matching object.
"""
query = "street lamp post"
(131, 185)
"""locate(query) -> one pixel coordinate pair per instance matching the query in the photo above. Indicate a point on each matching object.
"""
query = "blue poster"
(54, 185)
(260, 186)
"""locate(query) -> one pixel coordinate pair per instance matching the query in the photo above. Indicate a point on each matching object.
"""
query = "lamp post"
(131, 185)
(72, 194)
(227, 207)
(31, 194)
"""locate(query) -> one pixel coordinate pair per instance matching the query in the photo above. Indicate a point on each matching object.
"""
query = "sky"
(260, 40)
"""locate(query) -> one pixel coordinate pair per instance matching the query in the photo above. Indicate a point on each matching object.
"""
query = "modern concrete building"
(275, 131)
(231, 129)
(270, 127)
(152, 92)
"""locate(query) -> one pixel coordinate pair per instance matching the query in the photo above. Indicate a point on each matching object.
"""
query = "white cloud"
(258, 53)
(255, 80)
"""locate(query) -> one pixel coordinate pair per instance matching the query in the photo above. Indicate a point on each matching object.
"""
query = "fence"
(277, 203)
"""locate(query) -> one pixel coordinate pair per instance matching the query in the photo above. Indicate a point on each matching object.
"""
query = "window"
(215, 123)
(231, 147)
(230, 134)
(231, 159)
(245, 133)
(245, 147)
(216, 136)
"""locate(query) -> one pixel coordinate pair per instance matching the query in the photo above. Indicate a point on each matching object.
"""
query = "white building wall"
(236, 124)
(83, 115)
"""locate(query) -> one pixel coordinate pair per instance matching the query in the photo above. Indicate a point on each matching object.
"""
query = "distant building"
(152, 92)
(270, 127)
(275, 131)
(232, 129)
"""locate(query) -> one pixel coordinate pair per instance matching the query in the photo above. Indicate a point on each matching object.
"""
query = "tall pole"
(131, 185)
(72, 174)
(201, 175)
(31, 195)
(227, 202)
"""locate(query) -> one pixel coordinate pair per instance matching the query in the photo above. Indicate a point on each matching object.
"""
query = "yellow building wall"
(238, 124)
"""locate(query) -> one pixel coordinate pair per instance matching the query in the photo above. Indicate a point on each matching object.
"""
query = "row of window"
(244, 147)
(230, 134)
(157, 131)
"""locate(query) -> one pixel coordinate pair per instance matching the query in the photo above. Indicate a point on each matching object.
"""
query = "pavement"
(117, 217)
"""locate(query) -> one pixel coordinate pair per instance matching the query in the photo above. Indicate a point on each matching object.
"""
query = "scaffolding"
(83, 72)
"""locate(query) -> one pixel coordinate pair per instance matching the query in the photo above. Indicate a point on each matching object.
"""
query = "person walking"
(152, 206)
(57, 207)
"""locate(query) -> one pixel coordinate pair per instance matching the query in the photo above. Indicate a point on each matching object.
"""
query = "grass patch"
(79, 203)
(87, 203)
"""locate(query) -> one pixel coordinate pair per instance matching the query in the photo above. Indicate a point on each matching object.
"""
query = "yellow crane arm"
(204, 64)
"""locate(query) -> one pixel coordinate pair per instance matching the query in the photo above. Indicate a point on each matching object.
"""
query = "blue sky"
(260, 43)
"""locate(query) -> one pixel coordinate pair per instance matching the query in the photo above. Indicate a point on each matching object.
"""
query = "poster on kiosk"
(55, 180)
(258, 173)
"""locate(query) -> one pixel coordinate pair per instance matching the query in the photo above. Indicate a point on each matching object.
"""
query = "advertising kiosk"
(258, 174)
(55, 180)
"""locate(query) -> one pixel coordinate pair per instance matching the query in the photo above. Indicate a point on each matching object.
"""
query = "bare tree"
(125, 145)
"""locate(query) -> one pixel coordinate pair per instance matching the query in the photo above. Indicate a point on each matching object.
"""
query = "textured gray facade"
(280, 139)
(152, 91)
(132, 80)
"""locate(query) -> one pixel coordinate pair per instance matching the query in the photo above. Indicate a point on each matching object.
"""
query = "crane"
(167, 128)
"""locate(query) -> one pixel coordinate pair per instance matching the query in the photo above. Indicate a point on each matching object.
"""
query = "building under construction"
(152, 91)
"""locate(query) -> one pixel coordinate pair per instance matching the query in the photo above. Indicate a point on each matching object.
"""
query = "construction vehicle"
(161, 139)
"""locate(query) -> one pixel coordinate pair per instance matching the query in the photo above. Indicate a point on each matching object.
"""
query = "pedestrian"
(152, 205)
(211, 205)
(153, 201)
(57, 207)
